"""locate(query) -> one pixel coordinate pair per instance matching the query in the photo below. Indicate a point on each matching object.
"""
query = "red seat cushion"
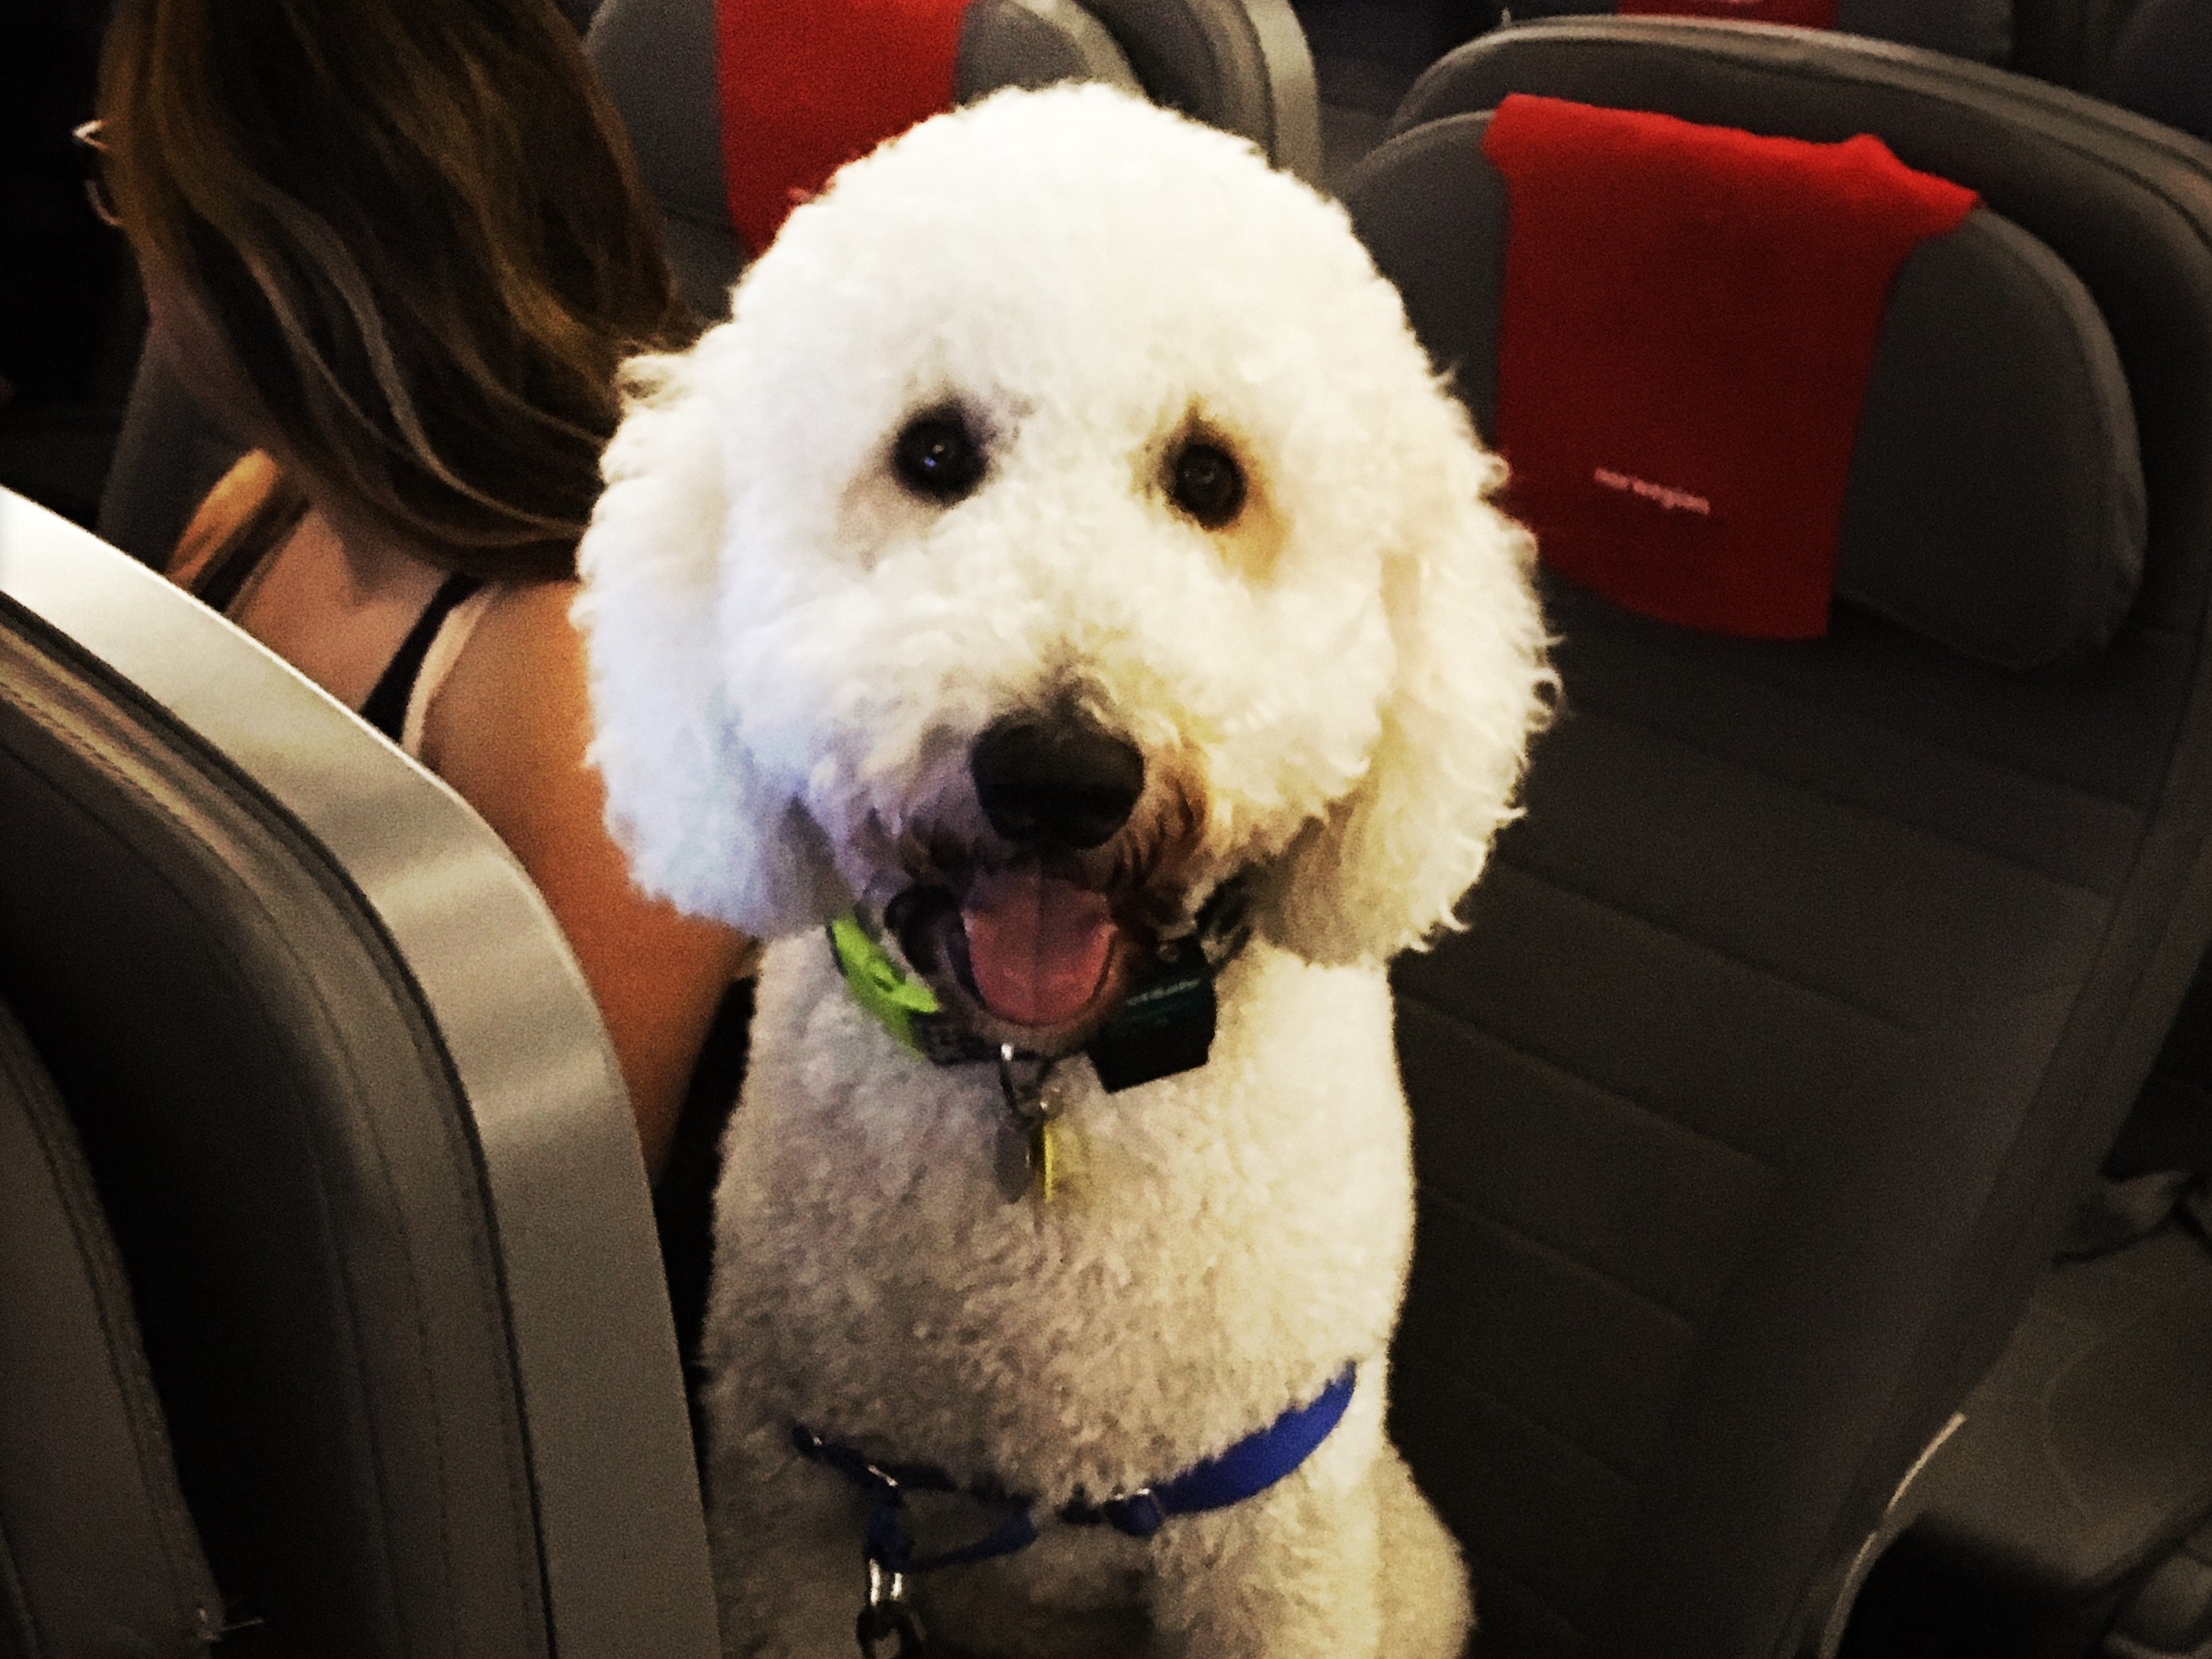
(1688, 319)
(809, 85)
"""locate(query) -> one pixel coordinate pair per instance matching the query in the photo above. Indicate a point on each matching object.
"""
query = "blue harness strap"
(1245, 1470)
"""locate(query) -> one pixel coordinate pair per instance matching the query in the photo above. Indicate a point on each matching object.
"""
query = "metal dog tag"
(1028, 1160)
(1015, 1169)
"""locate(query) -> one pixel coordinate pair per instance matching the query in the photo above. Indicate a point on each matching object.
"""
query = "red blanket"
(809, 85)
(1688, 319)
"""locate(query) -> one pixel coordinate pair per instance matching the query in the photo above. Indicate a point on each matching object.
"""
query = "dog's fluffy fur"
(792, 655)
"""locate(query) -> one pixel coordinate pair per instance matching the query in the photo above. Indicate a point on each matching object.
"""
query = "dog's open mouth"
(1036, 951)
(1040, 949)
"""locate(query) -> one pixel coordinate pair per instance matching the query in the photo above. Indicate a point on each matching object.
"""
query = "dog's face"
(1056, 517)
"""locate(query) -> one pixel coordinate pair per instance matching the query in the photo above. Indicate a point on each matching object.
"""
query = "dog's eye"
(936, 455)
(1205, 481)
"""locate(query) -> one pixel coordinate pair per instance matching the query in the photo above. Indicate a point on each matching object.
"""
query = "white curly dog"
(1065, 572)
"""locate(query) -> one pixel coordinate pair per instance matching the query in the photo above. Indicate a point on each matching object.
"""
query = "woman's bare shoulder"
(510, 730)
(237, 495)
(515, 703)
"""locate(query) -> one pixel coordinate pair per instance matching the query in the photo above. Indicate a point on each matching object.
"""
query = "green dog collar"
(900, 1002)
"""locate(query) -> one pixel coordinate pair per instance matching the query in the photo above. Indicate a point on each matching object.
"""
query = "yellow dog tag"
(1044, 1158)
(1029, 1160)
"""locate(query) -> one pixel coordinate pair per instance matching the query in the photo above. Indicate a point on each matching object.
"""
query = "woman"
(398, 248)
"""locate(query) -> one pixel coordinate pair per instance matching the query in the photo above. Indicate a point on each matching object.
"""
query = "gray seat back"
(167, 457)
(2161, 65)
(97, 1551)
(1240, 64)
(1978, 29)
(1796, 1014)
(359, 1133)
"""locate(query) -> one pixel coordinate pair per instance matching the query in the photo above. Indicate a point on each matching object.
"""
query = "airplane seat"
(1367, 53)
(359, 1135)
(97, 1553)
(1794, 1015)
(167, 456)
(1241, 64)
(1978, 30)
(1360, 50)
(2069, 43)
(793, 89)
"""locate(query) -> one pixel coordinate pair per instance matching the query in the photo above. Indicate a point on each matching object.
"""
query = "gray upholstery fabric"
(359, 1132)
(97, 1552)
(1796, 1014)
(2086, 1451)
(2161, 65)
(1239, 64)
(1977, 29)
(1036, 43)
(167, 456)
(1995, 501)
(1367, 54)
(2067, 42)
(1996, 498)
(656, 60)
(2172, 1612)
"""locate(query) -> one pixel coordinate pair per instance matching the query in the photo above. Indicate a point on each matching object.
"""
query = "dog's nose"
(1058, 780)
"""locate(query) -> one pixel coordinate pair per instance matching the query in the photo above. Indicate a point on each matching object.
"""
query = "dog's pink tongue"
(1037, 947)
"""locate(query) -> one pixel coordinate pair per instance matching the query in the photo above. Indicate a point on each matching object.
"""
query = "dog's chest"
(1227, 1239)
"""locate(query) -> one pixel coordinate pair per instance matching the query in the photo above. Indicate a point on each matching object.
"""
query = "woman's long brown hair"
(418, 231)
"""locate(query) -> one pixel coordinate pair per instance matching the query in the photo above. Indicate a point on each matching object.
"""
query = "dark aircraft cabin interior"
(1811, 1119)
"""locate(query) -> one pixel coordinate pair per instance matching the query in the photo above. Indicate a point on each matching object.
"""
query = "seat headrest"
(1983, 484)
(1978, 29)
(806, 88)
(812, 83)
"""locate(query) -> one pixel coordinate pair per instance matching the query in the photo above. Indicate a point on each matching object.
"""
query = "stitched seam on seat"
(1550, 1432)
(1785, 688)
(1486, 1569)
(1612, 1095)
(1865, 808)
(121, 771)
(1766, 971)
(13, 1595)
(1468, 1211)
(110, 1291)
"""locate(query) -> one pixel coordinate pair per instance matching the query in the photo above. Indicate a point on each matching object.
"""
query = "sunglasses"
(86, 138)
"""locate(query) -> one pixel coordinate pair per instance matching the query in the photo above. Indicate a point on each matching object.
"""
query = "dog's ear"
(703, 824)
(1384, 869)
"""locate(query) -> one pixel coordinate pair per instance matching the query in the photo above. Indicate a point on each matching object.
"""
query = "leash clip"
(1026, 1159)
(887, 1619)
(1023, 1095)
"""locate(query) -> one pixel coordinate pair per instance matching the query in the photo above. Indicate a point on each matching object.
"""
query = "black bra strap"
(387, 707)
(228, 568)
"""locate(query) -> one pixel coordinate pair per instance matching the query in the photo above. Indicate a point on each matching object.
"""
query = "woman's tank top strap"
(387, 707)
(259, 534)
